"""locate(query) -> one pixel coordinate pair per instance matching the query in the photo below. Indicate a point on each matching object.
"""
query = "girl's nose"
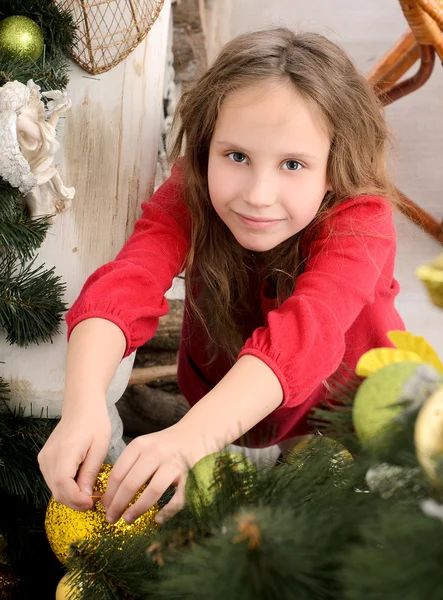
(261, 192)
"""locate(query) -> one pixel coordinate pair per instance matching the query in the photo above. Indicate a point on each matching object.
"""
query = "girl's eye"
(292, 165)
(237, 157)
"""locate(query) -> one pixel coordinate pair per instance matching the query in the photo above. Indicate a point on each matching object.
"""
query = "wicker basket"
(108, 30)
(425, 18)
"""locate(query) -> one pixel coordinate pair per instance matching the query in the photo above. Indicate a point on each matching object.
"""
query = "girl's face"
(267, 170)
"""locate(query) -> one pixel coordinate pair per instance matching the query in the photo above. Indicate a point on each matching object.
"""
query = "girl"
(279, 208)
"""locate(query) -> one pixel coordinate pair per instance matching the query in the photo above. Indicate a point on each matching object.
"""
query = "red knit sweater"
(342, 306)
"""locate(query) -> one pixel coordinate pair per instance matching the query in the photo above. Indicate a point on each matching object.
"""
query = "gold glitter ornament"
(65, 591)
(64, 526)
(21, 37)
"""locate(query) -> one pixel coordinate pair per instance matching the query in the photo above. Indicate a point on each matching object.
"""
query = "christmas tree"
(35, 38)
(355, 513)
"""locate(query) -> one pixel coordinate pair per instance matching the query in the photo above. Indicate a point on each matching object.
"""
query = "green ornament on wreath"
(21, 37)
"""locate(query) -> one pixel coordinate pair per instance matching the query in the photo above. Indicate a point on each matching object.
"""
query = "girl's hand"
(163, 458)
(80, 443)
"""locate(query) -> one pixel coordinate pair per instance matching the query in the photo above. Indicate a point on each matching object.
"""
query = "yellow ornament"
(405, 340)
(428, 437)
(64, 526)
(21, 37)
(66, 591)
(408, 348)
(374, 360)
(432, 277)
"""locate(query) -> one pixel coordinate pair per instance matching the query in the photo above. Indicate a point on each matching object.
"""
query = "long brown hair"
(218, 269)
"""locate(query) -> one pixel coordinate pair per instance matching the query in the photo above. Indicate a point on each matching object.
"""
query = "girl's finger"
(139, 474)
(65, 488)
(90, 467)
(176, 503)
(120, 470)
(158, 485)
(68, 493)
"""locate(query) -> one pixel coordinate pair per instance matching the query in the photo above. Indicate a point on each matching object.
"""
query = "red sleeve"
(130, 291)
(304, 340)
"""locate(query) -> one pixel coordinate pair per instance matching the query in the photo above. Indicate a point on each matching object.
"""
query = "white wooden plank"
(109, 155)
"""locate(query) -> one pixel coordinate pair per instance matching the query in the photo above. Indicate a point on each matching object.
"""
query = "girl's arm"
(95, 350)
(245, 396)
(116, 312)
(130, 290)
(83, 434)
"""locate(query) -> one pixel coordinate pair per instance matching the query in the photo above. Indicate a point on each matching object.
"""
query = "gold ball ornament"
(432, 277)
(65, 591)
(21, 37)
(428, 438)
(65, 526)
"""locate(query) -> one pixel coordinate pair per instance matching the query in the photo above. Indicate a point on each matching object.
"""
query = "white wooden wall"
(109, 154)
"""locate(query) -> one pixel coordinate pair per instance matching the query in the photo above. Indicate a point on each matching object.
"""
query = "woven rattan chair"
(421, 42)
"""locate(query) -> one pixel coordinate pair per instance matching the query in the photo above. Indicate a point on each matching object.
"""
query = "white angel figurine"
(28, 146)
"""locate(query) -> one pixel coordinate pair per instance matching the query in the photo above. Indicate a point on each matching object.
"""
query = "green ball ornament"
(379, 399)
(21, 37)
(201, 484)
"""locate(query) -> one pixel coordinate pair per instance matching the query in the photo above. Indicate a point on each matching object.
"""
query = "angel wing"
(14, 168)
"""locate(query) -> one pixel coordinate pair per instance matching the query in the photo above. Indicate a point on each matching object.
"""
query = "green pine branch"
(333, 418)
(399, 556)
(23, 236)
(21, 439)
(102, 569)
(261, 553)
(250, 544)
(304, 530)
(20, 235)
(31, 305)
(10, 199)
(49, 74)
